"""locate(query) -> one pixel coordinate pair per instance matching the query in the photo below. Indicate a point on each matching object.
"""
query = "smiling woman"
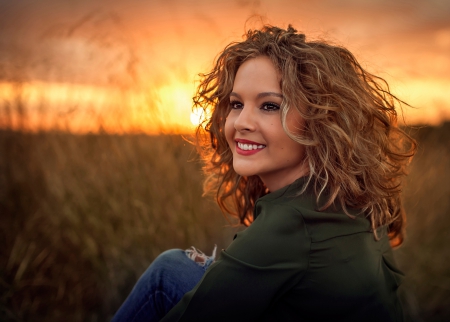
(303, 148)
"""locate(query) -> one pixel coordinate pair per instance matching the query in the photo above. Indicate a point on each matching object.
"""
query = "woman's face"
(253, 129)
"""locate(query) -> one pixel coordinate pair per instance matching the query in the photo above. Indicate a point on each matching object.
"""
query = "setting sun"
(197, 116)
(174, 105)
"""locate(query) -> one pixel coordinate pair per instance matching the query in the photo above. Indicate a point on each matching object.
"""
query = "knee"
(169, 258)
(174, 263)
(172, 267)
(167, 262)
(171, 254)
(163, 266)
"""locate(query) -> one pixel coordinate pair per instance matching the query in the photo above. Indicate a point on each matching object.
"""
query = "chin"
(243, 171)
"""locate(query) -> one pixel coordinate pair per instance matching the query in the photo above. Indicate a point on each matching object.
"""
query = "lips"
(246, 147)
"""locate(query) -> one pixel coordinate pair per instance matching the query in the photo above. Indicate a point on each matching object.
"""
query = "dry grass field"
(83, 215)
(425, 257)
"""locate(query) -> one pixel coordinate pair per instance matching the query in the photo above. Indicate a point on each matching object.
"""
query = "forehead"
(257, 74)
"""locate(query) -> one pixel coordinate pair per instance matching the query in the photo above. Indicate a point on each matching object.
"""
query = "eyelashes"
(236, 105)
(270, 106)
(266, 106)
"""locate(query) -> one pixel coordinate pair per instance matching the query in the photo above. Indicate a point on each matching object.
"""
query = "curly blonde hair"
(357, 154)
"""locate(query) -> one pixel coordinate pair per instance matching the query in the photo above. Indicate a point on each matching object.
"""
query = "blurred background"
(97, 176)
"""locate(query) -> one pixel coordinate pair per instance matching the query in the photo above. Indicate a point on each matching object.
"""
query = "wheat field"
(82, 216)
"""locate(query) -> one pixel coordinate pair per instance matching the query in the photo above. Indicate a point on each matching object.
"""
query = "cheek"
(289, 150)
(297, 152)
(294, 122)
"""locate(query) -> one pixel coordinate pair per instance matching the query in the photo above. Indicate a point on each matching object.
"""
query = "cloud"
(389, 32)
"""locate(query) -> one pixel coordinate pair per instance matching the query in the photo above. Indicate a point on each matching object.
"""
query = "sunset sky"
(132, 65)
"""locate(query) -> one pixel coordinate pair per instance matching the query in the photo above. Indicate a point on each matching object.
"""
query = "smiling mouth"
(250, 147)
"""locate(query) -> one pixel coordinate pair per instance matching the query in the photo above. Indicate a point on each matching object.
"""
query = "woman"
(303, 148)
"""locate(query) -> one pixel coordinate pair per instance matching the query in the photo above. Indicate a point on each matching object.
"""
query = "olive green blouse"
(297, 264)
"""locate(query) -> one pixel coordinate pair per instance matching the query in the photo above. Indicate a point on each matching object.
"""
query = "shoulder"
(278, 216)
(302, 210)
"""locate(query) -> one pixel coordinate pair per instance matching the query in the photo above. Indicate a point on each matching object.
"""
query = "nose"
(245, 122)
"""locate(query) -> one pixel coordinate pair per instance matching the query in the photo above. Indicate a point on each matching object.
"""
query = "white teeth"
(247, 147)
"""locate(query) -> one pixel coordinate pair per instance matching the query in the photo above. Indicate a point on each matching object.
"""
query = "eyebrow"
(260, 95)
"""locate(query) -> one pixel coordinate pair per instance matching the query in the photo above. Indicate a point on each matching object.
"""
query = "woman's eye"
(236, 105)
(270, 107)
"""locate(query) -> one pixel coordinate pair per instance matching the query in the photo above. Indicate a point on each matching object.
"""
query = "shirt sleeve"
(260, 266)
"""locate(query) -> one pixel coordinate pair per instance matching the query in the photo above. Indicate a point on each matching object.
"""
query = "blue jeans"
(171, 275)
